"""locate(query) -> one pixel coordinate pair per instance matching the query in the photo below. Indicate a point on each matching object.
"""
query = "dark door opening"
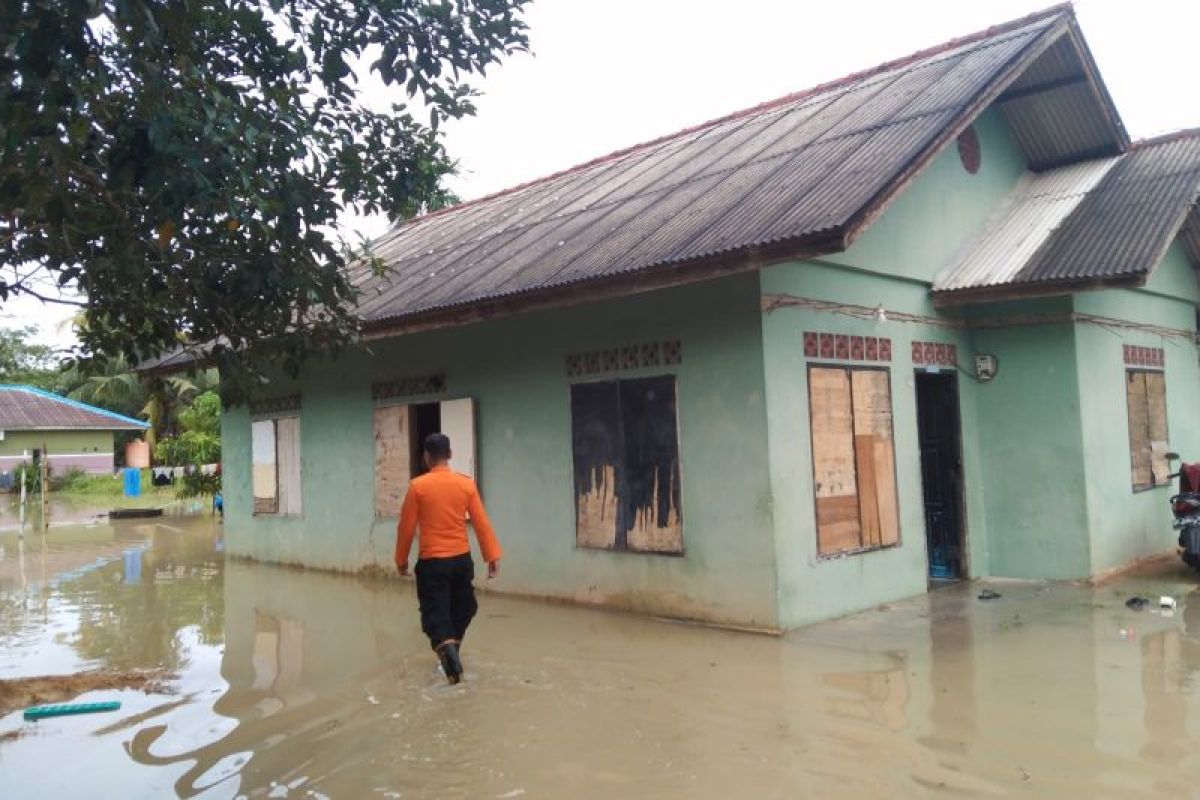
(940, 436)
(424, 419)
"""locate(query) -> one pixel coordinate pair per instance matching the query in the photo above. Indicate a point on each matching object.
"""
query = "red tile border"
(1138, 356)
(934, 354)
(844, 347)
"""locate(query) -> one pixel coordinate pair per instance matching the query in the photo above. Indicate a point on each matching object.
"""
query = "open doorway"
(424, 419)
(940, 435)
(400, 431)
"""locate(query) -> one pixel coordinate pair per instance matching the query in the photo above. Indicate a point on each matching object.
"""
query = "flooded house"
(72, 435)
(932, 321)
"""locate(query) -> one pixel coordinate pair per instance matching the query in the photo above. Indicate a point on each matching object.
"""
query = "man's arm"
(488, 544)
(406, 528)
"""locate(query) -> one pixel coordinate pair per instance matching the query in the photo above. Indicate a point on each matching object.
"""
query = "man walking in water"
(438, 503)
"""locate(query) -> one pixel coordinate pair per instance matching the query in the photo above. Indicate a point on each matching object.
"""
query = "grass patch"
(81, 484)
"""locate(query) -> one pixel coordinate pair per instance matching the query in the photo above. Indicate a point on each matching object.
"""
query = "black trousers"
(447, 597)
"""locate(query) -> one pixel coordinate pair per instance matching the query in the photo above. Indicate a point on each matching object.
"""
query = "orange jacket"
(438, 502)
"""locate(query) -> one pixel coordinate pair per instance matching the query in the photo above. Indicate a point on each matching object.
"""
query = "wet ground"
(297, 684)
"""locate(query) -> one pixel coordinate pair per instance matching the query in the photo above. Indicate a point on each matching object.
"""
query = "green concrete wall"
(812, 587)
(16, 442)
(514, 368)
(926, 226)
(1174, 277)
(1124, 524)
(1031, 452)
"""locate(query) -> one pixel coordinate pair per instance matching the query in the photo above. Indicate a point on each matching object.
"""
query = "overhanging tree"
(182, 164)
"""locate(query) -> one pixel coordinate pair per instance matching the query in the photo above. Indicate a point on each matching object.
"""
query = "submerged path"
(287, 683)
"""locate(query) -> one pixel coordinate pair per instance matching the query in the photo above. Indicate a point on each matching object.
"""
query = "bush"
(32, 475)
(198, 485)
(199, 443)
(72, 479)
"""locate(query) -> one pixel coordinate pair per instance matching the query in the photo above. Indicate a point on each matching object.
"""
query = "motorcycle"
(1186, 508)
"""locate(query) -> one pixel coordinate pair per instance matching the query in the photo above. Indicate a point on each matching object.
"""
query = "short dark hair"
(437, 446)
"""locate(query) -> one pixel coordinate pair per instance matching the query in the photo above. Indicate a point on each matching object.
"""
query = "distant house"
(934, 320)
(73, 434)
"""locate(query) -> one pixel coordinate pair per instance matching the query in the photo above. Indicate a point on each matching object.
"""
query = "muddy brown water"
(307, 685)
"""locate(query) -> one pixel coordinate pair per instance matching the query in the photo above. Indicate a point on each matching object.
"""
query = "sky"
(605, 74)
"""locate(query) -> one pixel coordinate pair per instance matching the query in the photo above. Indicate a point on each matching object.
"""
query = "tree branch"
(18, 289)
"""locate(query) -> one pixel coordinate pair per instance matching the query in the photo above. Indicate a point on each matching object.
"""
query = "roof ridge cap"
(1165, 138)
(1066, 8)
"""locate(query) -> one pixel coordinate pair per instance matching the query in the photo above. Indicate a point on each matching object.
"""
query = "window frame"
(274, 420)
(619, 379)
(1129, 370)
(850, 369)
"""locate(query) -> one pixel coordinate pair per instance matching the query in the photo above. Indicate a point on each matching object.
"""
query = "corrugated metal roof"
(28, 408)
(794, 170)
(1102, 221)
(1058, 112)
(1123, 226)
(1020, 227)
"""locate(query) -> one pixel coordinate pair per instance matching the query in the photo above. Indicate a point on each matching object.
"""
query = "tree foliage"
(198, 443)
(199, 438)
(23, 361)
(112, 384)
(181, 163)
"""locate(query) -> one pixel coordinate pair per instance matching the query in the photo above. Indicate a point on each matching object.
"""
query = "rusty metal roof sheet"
(1104, 221)
(28, 408)
(803, 168)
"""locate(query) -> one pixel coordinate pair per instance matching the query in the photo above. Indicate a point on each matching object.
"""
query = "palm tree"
(113, 385)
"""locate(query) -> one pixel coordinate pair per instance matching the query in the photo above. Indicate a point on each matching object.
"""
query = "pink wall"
(97, 463)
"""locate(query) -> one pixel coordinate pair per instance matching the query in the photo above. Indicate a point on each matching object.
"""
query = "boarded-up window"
(1146, 394)
(393, 458)
(275, 457)
(400, 432)
(624, 438)
(854, 464)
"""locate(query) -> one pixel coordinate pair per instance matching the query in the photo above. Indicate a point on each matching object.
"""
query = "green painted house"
(934, 320)
(71, 435)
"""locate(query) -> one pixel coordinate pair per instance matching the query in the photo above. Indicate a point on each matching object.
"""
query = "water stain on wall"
(626, 458)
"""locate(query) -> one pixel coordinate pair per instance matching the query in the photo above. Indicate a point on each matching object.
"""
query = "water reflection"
(127, 590)
(294, 682)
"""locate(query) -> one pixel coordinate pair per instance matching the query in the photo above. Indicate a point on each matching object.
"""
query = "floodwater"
(307, 685)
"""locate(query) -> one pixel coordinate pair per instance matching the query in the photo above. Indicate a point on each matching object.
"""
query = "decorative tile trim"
(935, 354)
(412, 386)
(634, 356)
(1138, 356)
(841, 347)
(275, 406)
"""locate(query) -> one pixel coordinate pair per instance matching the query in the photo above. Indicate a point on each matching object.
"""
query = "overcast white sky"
(609, 73)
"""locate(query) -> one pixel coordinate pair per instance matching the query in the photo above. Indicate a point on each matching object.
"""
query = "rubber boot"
(447, 653)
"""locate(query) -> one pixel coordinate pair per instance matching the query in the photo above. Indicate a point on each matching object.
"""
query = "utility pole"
(45, 487)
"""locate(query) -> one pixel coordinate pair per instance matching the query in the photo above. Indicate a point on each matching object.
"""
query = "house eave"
(611, 287)
(1033, 291)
